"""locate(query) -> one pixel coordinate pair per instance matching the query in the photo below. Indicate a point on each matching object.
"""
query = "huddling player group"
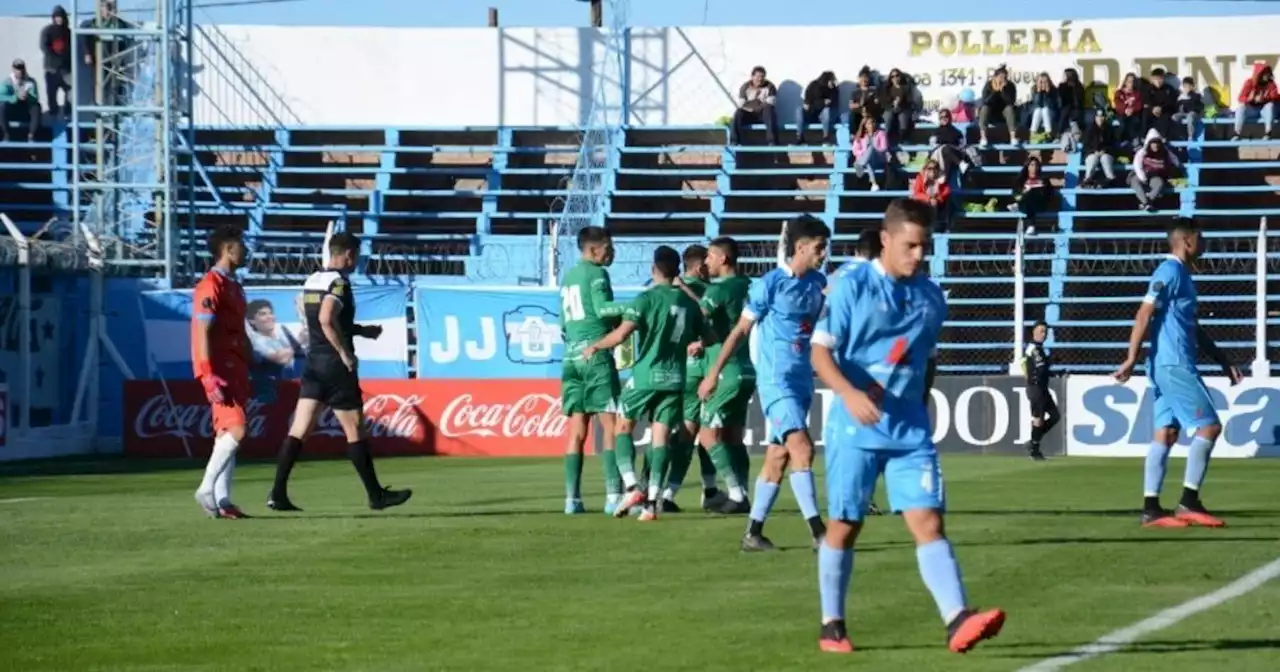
(869, 333)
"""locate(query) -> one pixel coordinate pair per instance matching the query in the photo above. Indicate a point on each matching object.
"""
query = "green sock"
(612, 478)
(741, 462)
(681, 458)
(707, 468)
(723, 461)
(573, 475)
(645, 476)
(625, 454)
(661, 458)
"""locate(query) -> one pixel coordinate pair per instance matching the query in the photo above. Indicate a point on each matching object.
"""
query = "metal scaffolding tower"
(122, 145)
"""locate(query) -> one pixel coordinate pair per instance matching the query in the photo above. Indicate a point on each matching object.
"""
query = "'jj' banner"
(277, 331)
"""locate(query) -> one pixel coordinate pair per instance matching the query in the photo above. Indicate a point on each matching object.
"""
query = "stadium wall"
(546, 77)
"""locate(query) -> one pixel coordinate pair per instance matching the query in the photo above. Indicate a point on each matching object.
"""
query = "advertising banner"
(1107, 419)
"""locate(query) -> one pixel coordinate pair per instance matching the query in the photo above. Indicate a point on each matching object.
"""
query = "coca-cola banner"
(403, 417)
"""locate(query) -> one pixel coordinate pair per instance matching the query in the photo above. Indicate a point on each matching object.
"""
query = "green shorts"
(691, 404)
(728, 405)
(661, 406)
(590, 387)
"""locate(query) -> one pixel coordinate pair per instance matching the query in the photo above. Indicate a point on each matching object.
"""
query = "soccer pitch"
(482, 571)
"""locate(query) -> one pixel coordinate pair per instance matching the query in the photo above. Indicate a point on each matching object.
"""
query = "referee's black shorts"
(327, 380)
(1041, 402)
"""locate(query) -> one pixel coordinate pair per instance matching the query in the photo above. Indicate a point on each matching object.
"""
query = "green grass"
(481, 571)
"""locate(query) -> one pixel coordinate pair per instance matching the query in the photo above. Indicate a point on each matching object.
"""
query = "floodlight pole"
(24, 319)
(1261, 367)
(1019, 299)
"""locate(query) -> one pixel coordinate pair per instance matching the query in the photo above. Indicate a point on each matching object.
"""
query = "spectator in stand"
(1158, 101)
(1161, 121)
(865, 101)
(820, 99)
(930, 186)
(756, 99)
(949, 148)
(1100, 141)
(55, 45)
(870, 151)
(112, 46)
(1153, 167)
(999, 98)
(1190, 107)
(19, 101)
(1032, 193)
(899, 100)
(1258, 99)
(1044, 105)
(1070, 103)
(1127, 102)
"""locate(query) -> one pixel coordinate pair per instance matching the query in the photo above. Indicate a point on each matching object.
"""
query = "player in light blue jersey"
(868, 249)
(785, 305)
(1181, 399)
(874, 347)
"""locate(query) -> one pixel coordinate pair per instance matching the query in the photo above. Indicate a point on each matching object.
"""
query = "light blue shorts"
(912, 478)
(786, 414)
(1181, 399)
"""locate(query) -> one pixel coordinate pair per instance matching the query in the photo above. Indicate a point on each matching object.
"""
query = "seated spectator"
(1032, 193)
(275, 351)
(930, 186)
(963, 111)
(1100, 142)
(898, 97)
(55, 45)
(1158, 101)
(1161, 121)
(756, 99)
(870, 151)
(1190, 107)
(1258, 99)
(865, 100)
(1044, 105)
(1127, 102)
(1070, 103)
(19, 101)
(999, 98)
(1153, 167)
(949, 148)
(820, 99)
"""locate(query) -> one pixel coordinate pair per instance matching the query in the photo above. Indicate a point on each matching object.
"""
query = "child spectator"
(1153, 166)
(1258, 99)
(55, 45)
(19, 101)
(1100, 141)
(948, 147)
(1032, 193)
(898, 97)
(930, 186)
(1000, 98)
(756, 98)
(1190, 107)
(1044, 105)
(820, 99)
(870, 151)
(1070, 102)
(865, 100)
(1128, 105)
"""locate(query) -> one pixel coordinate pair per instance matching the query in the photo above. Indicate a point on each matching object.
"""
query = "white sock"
(629, 479)
(224, 449)
(736, 493)
(222, 484)
(670, 493)
(653, 492)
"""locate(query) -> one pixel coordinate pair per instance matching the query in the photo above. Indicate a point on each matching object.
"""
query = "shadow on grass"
(1100, 513)
(1136, 647)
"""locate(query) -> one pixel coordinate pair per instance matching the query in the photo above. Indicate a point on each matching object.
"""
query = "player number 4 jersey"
(1173, 326)
(667, 322)
(219, 299)
(882, 333)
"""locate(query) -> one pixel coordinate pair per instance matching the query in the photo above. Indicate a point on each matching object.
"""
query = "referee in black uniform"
(330, 377)
(1044, 412)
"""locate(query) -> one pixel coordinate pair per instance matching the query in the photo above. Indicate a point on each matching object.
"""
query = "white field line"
(1119, 639)
(19, 500)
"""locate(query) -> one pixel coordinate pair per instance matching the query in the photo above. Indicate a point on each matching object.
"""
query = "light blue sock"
(806, 494)
(1197, 462)
(941, 575)
(762, 500)
(835, 570)
(1153, 476)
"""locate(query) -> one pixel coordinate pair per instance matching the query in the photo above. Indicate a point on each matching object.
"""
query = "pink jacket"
(879, 141)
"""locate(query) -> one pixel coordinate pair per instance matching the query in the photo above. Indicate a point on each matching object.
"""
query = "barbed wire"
(59, 256)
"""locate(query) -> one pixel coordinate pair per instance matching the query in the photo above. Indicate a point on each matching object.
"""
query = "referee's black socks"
(362, 460)
(284, 466)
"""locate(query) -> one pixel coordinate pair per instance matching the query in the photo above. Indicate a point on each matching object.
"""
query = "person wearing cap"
(19, 99)
(55, 45)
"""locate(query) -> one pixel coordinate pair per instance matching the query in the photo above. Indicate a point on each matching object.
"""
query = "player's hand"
(695, 349)
(214, 388)
(349, 362)
(707, 386)
(372, 331)
(1125, 372)
(1233, 373)
(589, 352)
(862, 407)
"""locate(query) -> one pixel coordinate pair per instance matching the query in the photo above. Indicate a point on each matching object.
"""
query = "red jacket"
(1127, 101)
(920, 189)
(1269, 91)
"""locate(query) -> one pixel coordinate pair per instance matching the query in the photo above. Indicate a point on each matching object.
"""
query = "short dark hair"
(1040, 323)
(906, 211)
(1183, 225)
(221, 237)
(728, 247)
(694, 254)
(760, 69)
(255, 305)
(869, 245)
(805, 227)
(592, 235)
(667, 261)
(1157, 72)
(343, 242)
(1188, 80)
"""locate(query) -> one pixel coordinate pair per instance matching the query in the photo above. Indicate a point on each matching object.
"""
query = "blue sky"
(670, 12)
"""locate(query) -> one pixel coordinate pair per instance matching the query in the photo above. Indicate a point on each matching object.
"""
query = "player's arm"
(330, 305)
(1216, 354)
(757, 307)
(370, 331)
(207, 299)
(600, 290)
(612, 339)
(832, 332)
(1157, 293)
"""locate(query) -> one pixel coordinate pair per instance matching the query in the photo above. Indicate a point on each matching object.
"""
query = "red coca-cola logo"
(157, 417)
(385, 416)
(535, 415)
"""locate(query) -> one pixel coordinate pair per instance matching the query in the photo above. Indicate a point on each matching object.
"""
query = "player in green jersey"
(667, 323)
(726, 401)
(589, 384)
